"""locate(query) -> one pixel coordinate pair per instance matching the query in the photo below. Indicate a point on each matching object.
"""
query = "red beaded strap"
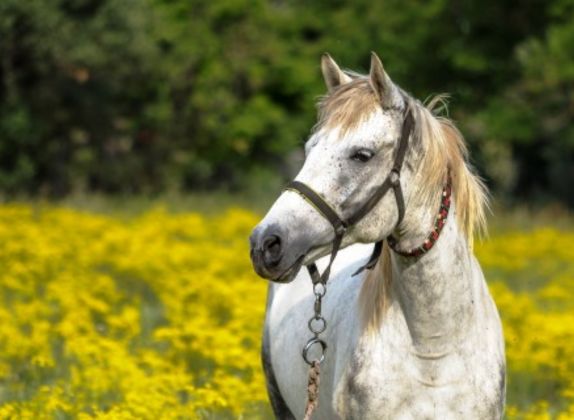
(438, 225)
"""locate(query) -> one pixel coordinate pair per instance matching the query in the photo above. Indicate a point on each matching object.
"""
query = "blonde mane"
(443, 150)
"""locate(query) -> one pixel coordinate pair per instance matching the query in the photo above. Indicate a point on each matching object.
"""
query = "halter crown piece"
(317, 324)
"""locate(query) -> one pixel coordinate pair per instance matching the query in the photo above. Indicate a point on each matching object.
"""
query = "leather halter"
(393, 180)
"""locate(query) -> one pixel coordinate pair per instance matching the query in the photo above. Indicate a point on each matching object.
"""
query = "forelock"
(348, 106)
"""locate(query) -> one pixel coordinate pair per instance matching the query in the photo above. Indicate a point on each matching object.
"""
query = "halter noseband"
(393, 180)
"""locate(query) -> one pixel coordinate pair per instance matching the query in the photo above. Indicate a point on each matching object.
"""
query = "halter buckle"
(395, 177)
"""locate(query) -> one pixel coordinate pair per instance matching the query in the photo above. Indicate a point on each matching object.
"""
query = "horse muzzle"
(268, 255)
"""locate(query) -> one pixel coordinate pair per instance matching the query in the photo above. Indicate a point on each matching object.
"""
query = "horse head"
(350, 154)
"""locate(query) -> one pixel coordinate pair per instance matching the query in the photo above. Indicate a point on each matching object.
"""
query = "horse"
(415, 334)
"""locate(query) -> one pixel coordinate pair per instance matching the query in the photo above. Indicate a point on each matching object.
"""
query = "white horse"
(416, 337)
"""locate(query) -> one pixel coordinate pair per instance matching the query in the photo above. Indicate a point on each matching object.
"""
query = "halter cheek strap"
(393, 180)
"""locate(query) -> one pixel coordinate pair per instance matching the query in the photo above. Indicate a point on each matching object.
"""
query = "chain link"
(317, 324)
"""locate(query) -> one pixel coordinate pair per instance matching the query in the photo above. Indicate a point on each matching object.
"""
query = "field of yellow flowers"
(159, 315)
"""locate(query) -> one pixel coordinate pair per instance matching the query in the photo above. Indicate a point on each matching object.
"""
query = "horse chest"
(392, 386)
(384, 380)
(383, 377)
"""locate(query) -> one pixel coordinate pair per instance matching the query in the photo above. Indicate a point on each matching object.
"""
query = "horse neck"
(434, 290)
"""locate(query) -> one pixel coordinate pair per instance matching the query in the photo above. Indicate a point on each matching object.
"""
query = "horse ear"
(333, 75)
(380, 81)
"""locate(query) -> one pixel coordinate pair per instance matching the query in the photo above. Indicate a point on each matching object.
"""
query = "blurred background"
(141, 140)
(150, 96)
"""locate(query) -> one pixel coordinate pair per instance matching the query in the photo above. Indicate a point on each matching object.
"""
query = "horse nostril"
(272, 250)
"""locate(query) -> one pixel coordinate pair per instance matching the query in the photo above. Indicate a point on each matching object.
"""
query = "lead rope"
(317, 324)
(312, 389)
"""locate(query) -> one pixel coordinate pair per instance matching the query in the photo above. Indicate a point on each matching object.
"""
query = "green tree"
(530, 120)
(144, 95)
(77, 77)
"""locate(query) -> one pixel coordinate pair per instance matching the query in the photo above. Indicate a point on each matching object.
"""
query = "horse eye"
(362, 155)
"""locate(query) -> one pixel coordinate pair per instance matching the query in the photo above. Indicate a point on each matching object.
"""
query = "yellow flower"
(160, 316)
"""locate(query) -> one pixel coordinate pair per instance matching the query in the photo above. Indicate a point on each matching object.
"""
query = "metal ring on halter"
(310, 343)
(319, 291)
(395, 177)
(321, 327)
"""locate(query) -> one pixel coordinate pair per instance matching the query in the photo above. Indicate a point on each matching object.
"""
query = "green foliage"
(533, 115)
(152, 95)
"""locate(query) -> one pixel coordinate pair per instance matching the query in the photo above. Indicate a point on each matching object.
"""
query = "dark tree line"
(148, 95)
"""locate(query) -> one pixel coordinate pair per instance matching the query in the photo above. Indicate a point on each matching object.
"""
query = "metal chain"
(317, 324)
